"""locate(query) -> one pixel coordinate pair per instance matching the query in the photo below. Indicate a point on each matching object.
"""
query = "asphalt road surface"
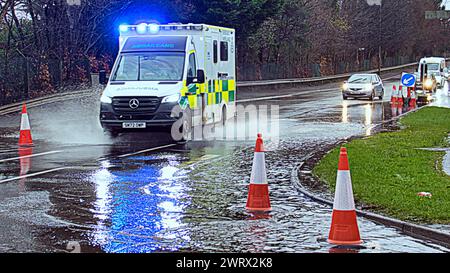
(79, 190)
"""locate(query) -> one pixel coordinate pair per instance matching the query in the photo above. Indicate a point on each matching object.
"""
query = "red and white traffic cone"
(344, 227)
(400, 101)
(413, 101)
(258, 195)
(394, 95)
(400, 109)
(25, 138)
(394, 110)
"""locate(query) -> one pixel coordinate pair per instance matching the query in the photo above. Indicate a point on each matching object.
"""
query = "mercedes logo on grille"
(134, 103)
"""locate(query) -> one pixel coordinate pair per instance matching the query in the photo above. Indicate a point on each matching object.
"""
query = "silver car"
(363, 86)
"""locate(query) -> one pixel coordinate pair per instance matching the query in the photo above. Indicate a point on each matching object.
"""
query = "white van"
(431, 73)
(162, 66)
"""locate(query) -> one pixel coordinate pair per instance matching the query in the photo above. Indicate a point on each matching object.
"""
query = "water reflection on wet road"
(105, 195)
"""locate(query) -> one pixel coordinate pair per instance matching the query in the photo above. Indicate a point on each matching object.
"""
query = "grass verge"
(388, 170)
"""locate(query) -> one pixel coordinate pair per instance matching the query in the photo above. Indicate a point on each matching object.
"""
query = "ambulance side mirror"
(201, 76)
(199, 79)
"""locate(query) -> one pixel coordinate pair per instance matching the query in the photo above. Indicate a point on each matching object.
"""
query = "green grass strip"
(388, 170)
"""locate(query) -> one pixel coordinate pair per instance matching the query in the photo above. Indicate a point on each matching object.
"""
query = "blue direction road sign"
(408, 80)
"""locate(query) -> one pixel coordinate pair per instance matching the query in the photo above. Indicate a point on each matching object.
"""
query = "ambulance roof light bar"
(144, 28)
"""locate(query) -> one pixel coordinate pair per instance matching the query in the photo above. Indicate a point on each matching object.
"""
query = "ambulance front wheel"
(185, 130)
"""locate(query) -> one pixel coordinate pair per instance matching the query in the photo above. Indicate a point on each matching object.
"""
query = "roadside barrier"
(25, 138)
(317, 79)
(258, 195)
(344, 227)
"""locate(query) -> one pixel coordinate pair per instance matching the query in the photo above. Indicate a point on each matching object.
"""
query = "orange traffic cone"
(394, 95)
(393, 110)
(400, 97)
(413, 100)
(25, 129)
(258, 195)
(344, 226)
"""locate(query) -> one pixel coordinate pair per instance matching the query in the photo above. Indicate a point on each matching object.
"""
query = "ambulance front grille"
(147, 105)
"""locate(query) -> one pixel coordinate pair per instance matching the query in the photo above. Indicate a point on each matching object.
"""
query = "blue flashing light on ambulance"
(162, 66)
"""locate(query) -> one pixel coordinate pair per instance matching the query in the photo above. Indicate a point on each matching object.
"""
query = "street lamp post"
(379, 41)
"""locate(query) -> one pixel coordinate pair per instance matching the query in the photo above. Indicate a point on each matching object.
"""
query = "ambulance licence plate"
(134, 125)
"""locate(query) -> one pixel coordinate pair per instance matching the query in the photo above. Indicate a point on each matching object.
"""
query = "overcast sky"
(447, 4)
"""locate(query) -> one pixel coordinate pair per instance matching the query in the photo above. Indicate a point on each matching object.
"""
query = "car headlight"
(171, 98)
(105, 99)
(345, 86)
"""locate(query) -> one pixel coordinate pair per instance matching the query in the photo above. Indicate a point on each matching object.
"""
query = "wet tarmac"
(79, 190)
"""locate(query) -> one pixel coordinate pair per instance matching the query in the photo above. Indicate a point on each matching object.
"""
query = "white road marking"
(33, 174)
(8, 151)
(147, 150)
(29, 156)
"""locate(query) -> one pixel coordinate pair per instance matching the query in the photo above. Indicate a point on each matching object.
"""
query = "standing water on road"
(191, 197)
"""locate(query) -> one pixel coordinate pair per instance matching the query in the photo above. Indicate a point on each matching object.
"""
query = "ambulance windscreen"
(150, 66)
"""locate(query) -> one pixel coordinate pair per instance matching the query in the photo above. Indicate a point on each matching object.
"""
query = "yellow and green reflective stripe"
(192, 101)
(217, 91)
(225, 96)
(202, 88)
(231, 96)
(216, 86)
(210, 98)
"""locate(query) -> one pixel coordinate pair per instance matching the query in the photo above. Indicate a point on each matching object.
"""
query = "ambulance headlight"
(171, 98)
(428, 83)
(105, 99)
(141, 28)
(123, 28)
(153, 28)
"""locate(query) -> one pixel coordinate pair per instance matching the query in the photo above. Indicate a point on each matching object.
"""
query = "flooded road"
(77, 189)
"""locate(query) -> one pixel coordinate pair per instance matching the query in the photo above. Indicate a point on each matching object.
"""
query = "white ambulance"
(160, 67)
